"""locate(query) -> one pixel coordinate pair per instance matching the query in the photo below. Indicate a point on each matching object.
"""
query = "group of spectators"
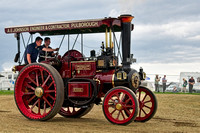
(191, 82)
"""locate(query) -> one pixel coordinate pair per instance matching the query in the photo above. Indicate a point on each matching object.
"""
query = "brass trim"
(113, 80)
(81, 61)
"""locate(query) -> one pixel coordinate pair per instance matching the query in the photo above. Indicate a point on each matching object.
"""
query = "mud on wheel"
(115, 107)
(39, 91)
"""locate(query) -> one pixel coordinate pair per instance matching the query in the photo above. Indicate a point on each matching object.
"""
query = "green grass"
(178, 93)
(4, 92)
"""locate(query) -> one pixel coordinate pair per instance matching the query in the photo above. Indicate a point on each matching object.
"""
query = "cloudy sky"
(166, 38)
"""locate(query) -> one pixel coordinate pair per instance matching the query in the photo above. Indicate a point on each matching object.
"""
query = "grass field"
(175, 113)
(2, 92)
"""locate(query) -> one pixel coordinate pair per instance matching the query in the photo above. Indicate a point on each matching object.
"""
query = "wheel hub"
(39, 91)
(118, 106)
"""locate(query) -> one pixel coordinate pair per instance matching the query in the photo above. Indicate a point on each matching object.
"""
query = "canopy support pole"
(18, 47)
(82, 43)
(68, 42)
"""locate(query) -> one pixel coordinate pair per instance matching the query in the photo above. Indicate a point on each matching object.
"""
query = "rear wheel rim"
(114, 106)
(35, 92)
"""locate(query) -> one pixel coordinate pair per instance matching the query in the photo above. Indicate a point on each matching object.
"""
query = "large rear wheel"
(115, 107)
(39, 91)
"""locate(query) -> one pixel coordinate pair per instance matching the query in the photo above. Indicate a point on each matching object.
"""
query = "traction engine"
(70, 85)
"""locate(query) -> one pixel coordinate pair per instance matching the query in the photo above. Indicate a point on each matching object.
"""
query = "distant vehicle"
(171, 87)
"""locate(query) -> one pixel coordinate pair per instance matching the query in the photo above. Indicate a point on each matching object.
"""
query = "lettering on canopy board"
(52, 27)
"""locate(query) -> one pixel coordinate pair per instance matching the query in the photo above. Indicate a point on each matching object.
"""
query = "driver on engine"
(44, 54)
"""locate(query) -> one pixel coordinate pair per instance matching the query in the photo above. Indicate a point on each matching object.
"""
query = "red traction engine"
(72, 84)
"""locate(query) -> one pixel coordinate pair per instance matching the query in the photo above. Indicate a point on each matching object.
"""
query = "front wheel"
(147, 104)
(39, 91)
(115, 107)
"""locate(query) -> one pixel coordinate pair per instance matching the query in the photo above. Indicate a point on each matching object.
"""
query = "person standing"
(184, 85)
(43, 54)
(157, 79)
(191, 83)
(164, 81)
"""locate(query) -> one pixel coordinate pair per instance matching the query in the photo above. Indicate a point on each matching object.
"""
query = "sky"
(165, 39)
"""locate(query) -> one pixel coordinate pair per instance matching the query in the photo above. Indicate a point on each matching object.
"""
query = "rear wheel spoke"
(34, 105)
(50, 85)
(31, 87)
(49, 91)
(46, 80)
(47, 102)
(42, 76)
(31, 98)
(39, 106)
(36, 77)
(32, 80)
(28, 93)
(52, 97)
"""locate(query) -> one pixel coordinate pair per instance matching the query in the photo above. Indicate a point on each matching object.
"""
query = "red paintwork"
(85, 91)
(83, 69)
(104, 77)
(18, 68)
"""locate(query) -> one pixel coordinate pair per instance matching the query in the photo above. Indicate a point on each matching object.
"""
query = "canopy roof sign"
(69, 27)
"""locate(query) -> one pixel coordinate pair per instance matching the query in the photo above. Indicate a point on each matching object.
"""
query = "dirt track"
(176, 113)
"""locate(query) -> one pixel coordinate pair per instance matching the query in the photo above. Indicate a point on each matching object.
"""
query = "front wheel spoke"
(144, 98)
(47, 102)
(127, 111)
(140, 112)
(144, 112)
(147, 107)
(123, 115)
(46, 81)
(34, 104)
(129, 106)
(122, 98)
(139, 95)
(113, 111)
(118, 115)
(127, 100)
(147, 101)
(31, 98)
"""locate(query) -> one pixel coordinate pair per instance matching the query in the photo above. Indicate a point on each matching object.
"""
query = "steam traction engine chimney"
(126, 39)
